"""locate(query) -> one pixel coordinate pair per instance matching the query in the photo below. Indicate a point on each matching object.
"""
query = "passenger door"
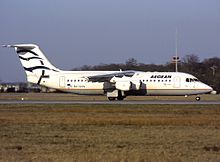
(176, 82)
(62, 82)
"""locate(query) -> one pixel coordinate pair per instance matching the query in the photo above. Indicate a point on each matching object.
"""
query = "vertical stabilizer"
(34, 62)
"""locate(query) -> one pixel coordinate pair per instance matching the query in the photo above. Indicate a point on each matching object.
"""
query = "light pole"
(213, 70)
(176, 58)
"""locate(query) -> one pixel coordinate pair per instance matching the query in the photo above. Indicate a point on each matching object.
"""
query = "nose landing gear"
(197, 98)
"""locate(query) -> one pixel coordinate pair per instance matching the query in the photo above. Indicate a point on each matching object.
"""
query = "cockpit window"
(192, 80)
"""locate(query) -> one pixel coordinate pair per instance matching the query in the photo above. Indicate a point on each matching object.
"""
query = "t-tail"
(35, 64)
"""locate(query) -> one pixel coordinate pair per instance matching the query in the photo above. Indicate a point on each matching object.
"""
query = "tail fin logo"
(23, 52)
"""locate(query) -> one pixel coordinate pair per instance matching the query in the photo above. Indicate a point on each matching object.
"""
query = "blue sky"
(73, 33)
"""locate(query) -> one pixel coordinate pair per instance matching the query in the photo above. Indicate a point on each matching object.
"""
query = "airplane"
(116, 85)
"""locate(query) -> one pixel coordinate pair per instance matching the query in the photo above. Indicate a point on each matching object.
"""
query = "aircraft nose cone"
(205, 88)
(209, 89)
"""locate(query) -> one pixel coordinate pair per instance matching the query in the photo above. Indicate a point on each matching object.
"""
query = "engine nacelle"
(136, 85)
(123, 85)
(126, 83)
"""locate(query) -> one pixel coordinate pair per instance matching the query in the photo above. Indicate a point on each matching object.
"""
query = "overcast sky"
(73, 33)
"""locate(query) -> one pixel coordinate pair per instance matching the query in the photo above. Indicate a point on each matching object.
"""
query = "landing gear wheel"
(198, 98)
(120, 98)
(111, 98)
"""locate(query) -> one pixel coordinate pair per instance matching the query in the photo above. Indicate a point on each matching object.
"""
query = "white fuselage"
(151, 83)
(115, 84)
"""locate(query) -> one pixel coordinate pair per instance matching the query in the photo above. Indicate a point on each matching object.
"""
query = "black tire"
(111, 98)
(120, 98)
(198, 98)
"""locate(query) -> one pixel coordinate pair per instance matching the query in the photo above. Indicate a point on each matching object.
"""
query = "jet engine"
(136, 85)
(123, 85)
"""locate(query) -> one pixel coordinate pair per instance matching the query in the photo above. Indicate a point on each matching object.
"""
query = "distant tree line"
(207, 71)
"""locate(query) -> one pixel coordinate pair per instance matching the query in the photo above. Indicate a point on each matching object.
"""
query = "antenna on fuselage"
(176, 58)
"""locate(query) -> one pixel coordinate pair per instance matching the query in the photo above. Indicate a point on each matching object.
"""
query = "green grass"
(109, 132)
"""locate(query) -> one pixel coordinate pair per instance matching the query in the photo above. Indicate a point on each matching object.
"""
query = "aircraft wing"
(108, 77)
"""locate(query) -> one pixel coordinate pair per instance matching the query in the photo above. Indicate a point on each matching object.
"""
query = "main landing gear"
(116, 94)
(119, 98)
(111, 98)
